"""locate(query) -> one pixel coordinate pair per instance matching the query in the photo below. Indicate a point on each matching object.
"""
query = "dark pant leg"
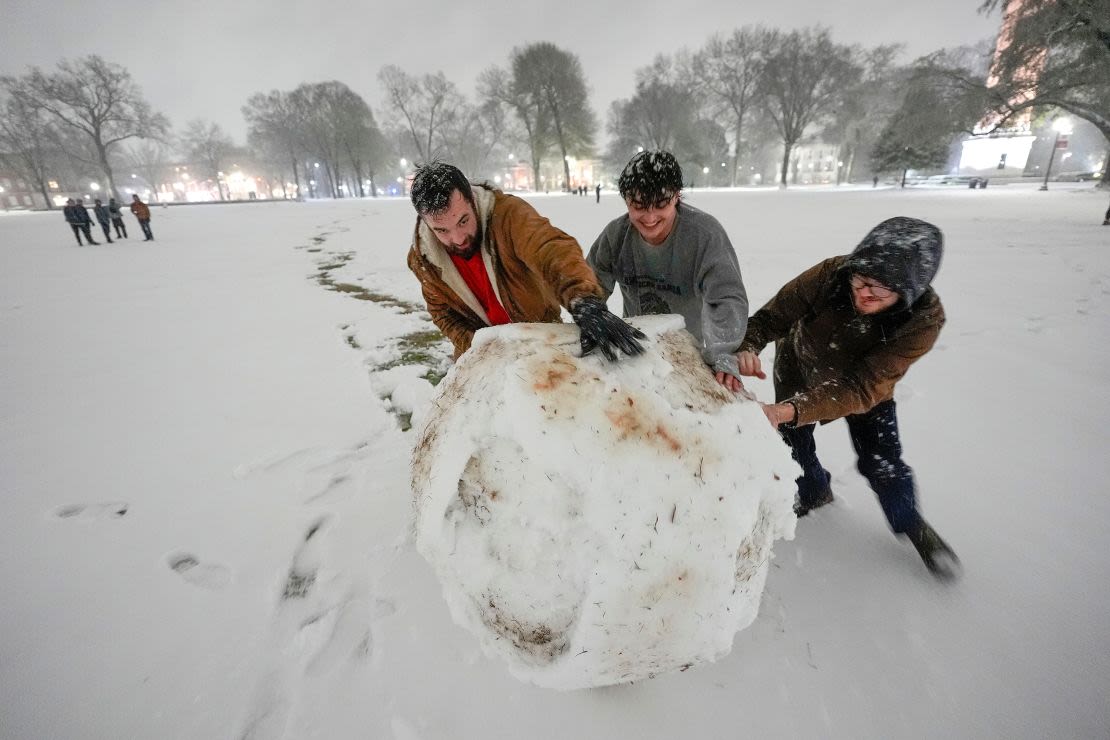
(120, 226)
(87, 228)
(879, 451)
(145, 225)
(107, 232)
(77, 233)
(815, 479)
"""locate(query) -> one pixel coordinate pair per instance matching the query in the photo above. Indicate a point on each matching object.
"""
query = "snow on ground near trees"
(206, 511)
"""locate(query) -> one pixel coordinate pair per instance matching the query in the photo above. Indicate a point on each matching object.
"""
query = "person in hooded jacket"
(142, 214)
(83, 220)
(104, 218)
(846, 331)
(117, 218)
(70, 213)
(486, 258)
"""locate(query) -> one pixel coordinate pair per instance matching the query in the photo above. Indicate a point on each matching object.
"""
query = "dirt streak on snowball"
(596, 523)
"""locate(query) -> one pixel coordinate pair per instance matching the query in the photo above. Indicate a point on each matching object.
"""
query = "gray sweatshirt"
(694, 273)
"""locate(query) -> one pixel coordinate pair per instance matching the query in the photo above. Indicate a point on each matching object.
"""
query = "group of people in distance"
(845, 330)
(77, 216)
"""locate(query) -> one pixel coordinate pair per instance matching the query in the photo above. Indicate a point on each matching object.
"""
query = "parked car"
(1078, 176)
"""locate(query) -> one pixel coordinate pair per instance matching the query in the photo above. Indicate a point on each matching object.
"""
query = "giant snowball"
(594, 522)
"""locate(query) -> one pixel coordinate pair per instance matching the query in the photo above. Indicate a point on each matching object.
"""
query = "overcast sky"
(202, 59)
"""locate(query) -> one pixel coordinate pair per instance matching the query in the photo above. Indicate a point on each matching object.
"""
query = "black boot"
(801, 508)
(935, 552)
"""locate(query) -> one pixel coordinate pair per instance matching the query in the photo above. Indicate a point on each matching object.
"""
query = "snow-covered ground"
(207, 518)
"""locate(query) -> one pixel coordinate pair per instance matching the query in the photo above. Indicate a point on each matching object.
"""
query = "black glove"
(600, 328)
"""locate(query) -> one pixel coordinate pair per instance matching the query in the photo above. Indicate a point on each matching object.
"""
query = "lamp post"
(1062, 126)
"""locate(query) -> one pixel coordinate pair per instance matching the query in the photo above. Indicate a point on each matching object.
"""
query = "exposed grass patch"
(419, 348)
(405, 420)
(428, 348)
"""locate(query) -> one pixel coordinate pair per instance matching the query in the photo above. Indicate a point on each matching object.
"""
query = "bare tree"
(274, 127)
(358, 137)
(100, 101)
(554, 80)
(424, 104)
(206, 143)
(729, 69)
(475, 136)
(339, 131)
(27, 144)
(500, 87)
(150, 160)
(860, 114)
(660, 115)
(805, 74)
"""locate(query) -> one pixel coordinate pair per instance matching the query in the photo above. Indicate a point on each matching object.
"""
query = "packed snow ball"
(433, 184)
(650, 178)
(592, 522)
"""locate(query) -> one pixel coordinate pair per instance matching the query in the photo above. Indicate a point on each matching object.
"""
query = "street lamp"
(1062, 127)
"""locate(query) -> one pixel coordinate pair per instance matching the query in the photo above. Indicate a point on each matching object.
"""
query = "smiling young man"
(485, 258)
(670, 257)
(845, 332)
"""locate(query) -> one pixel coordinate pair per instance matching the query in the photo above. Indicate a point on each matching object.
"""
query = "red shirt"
(474, 273)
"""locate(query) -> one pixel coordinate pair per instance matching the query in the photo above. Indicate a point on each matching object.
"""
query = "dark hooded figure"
(117, 218)
(104, 218)
(70, 213)
(846, 331)
(83, 220)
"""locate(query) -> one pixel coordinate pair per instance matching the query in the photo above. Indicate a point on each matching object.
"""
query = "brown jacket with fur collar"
(533, 267)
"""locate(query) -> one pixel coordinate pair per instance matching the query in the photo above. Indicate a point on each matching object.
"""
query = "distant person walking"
(83, 220)
(104, 218)
(117, 218)
(1106, 218)
(142, 213)
(598, 189)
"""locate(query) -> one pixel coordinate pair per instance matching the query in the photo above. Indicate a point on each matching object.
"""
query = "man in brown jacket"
(845, 331)
(485, 258)
(142, 213)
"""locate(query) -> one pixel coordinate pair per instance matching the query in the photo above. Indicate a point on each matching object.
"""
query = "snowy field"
(206, 510)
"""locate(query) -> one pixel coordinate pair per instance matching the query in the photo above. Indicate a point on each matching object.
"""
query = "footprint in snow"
(108, 510)
(204, 575)
(306, 562)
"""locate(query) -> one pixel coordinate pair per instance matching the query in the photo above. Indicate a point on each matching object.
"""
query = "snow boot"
(935, 552)
(801, 508)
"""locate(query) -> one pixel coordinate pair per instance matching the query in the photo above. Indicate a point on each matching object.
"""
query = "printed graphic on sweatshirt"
(651, 293)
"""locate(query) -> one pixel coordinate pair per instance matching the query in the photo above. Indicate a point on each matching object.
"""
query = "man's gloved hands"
(601, 328)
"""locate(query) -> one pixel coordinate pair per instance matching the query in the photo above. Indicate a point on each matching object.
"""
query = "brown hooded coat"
(830, 361)
(533, 267)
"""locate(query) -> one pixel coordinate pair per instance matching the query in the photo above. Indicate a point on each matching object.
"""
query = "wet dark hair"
(433, 184)
(650, 178)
